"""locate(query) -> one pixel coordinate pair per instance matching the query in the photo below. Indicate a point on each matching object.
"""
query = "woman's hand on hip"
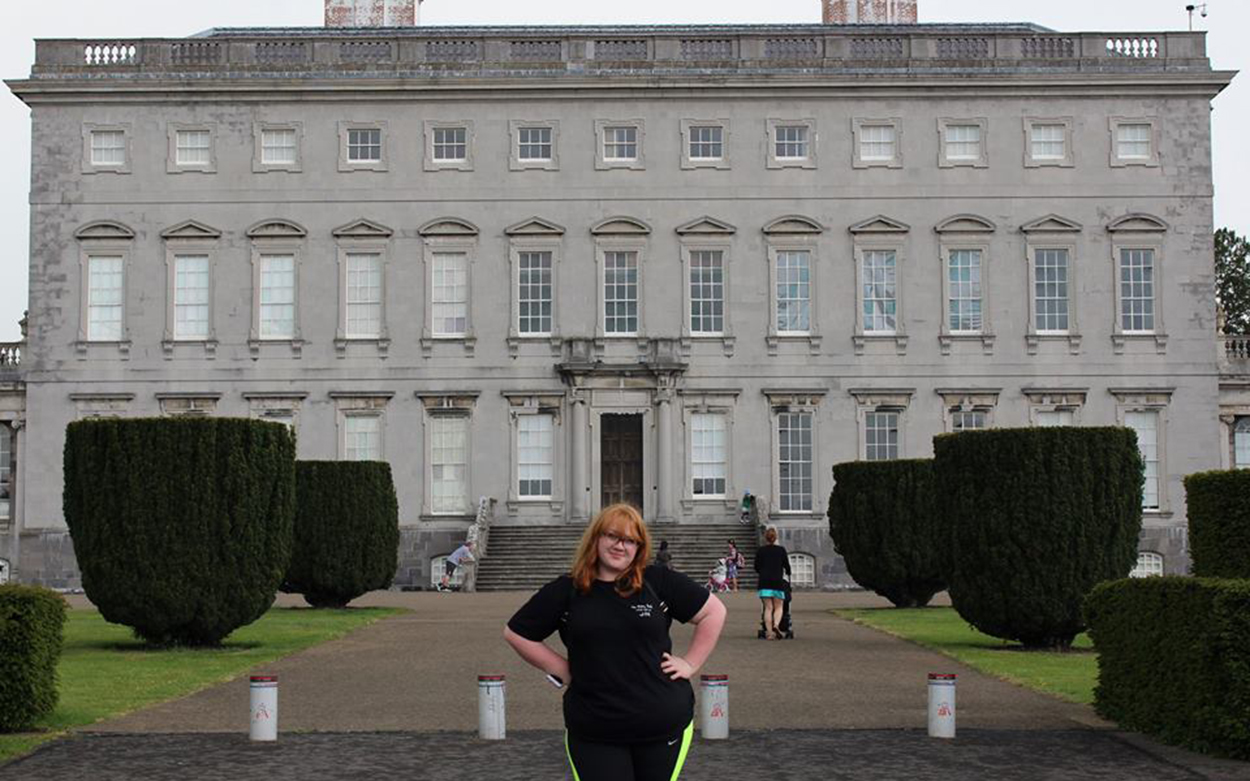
(677, 668)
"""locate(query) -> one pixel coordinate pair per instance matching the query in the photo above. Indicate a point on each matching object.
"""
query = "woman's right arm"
(539, 655)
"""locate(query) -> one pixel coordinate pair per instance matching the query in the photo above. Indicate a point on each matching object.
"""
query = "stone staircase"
(525, 557)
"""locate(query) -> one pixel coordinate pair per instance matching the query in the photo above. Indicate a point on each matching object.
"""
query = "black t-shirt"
(619, 694)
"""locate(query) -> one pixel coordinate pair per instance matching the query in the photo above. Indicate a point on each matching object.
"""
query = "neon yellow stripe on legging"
(681, 758)
(569, 754)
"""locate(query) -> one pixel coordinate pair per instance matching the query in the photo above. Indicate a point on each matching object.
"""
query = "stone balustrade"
(11, 354)
(1235, 357)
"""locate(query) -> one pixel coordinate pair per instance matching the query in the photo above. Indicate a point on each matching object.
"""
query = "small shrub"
(881, 518)
(1033, 519)
(181, 526)
(1173, 660)
(1219, 523)
(31, 624)
(346, 531)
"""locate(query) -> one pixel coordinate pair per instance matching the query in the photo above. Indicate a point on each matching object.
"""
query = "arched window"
(1241, 443)
(1149, 565)
(802, 570)
(438, 566)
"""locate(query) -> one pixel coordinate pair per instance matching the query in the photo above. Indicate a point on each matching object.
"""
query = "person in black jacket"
(771, 561)
(629, 706)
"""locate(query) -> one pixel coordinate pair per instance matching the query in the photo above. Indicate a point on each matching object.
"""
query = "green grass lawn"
(1070, 675)
(104, 671)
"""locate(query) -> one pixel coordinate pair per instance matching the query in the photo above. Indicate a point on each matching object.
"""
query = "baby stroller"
(718, 577)
(784, 626)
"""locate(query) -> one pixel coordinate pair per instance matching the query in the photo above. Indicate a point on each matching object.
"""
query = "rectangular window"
(963, 142)
(1137, 290)
(708, 455)
(967, 420)
(450, 294)
(964, 280)
(451, 144)
(794, 292)
(6, 472)
(876, 142)
(364, 145)
(707, 142)
(794, 448)
(1050, 290)
(1049, 142)
(277, 297)
(534, 293)
(534, 143)
(1241, 444)
(192, 147)
(1146, 424)
(364, 296)
(191, 297)
(1132, 142)
(880, 295)
(620, 293)
(104, 299)
(535, 450)
(108, 147)
(620, 143)
(449, 460)
(791, 142)
(277, 146)
(707, 292)
(362, 438)
(881, 436)
(1055, 417)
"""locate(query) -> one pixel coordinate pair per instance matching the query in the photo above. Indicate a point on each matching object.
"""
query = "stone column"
(579, 490)
(664, 477)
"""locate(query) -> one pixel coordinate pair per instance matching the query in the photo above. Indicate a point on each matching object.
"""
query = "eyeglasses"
(615, 539)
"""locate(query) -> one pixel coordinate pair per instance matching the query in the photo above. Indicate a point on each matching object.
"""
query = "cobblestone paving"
(538, 755)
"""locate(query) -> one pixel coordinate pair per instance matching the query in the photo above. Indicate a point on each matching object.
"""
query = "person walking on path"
(458, 557)
(772, 562)
(664, 557)
(733, 561)
(629, 705)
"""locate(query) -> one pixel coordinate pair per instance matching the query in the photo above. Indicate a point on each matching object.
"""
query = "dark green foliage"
(1219, 523)
(181, 526)
(1232, 280)
(31, 620)
(1032, 520)
(881, 518)
(346, 531)
(1173, 659)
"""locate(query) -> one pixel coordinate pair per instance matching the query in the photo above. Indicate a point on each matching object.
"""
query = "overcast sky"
(1228, 23)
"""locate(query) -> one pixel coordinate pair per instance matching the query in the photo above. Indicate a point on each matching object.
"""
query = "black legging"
(657, 761)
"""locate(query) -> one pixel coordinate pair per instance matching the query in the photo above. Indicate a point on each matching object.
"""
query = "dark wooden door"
(620, 462)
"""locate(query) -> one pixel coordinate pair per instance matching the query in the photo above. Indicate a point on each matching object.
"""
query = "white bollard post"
(714, 706)
(942, 705)
(264, 708)
(491, 700)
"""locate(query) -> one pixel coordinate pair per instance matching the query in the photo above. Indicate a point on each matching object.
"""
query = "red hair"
(621, 519)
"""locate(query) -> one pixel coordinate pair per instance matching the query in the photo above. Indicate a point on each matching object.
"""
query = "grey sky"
(1226, 45)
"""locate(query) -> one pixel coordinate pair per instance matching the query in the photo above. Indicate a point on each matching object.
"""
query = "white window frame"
(1239, 436)
(346, 258)
(89, 165)
(346, 164)
(951, 244)
(793, 234)
(432, 163)
(259, 165)
(188, 405)
(360, 404)
(603, 246)
(433, 421)
(353, 241)
(174, 165)
(262, 260)
(870, 401)
(516, 162)
(707, 402)
(895, 242)
(802, 564)
(103, 240)
(1067, 160)
(1150, 160)
(773, 127)
(1048, 400)
(453, 245)
(523, 404)
(944, 127)
(1150, 400)
(352, 420)
(90, 294)
(533, 236)
(1149, 565)
(720, 419)
(688, 162)
(286, 239)
(691, 244)
(1053, 234)
(277, 406)
(810, 497)
(1158, 334)
(858, 125)
(957, 401)
(8, 472)
(782, 401)
(603, 162)
(522, 422)
(173, 255)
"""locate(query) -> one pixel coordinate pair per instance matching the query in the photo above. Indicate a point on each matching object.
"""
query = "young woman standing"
(772, 562)
(629, 707)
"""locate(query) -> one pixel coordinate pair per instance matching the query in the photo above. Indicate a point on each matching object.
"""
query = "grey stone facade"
(917, 143)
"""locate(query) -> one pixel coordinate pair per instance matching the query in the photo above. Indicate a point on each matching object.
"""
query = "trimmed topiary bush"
(181, 526)
(1173, 660)
(346, 531)
(31, 623)
(1219, 523)
(1033, 519)
(882, 520)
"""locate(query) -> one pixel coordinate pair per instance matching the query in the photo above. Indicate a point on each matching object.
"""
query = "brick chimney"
(869, 11)
(372, 13)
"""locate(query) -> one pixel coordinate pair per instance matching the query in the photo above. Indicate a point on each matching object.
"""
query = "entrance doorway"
(620, 459)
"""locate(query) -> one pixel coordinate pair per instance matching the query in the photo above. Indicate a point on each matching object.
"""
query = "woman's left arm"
(708, 623)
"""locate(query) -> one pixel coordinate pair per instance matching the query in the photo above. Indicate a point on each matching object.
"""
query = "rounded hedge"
(1033, 519)
(1219, 523)
(32, 620)
(882, 521)
(346, 531)
(181, 526)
